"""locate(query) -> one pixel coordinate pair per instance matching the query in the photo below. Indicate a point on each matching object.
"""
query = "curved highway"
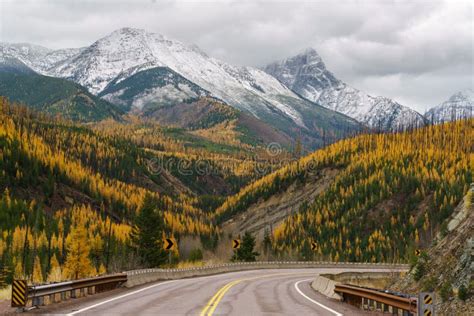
(257, 292)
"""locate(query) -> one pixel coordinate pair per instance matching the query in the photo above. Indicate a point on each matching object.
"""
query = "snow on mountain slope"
(459, 105)
(155, 87)
(38, 58)
(306, 74)
(97, 65)
(127, 52)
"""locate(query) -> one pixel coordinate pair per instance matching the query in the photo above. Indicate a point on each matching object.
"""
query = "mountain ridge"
(459, 105)
(307, 75)
(127, 51)
(54, 96)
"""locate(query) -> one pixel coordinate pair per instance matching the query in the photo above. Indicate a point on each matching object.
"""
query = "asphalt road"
(258, 292)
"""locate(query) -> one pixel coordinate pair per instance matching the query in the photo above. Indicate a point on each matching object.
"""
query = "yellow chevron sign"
(19, 293)
(169, 243)
(427, 313)
(236, 243)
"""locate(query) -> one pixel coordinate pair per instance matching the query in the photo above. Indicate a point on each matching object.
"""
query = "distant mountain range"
(143, 72)
(459, 105)
(183, 70)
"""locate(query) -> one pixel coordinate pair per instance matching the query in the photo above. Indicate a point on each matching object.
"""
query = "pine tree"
(246, 251)
(147, 234)
(267, 242)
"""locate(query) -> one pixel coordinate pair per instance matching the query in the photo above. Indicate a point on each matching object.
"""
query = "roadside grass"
(5, 293)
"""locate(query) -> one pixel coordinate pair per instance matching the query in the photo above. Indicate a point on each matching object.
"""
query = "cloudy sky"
(418, 52)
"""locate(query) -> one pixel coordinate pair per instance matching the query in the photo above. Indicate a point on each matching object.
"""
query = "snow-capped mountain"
(459, 105)
(38, 58)
(131, 50)
(306, 74)
(127, 51)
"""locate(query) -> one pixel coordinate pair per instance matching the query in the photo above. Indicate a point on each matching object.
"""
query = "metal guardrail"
(94, 285)
(275, 264)
(359, 295)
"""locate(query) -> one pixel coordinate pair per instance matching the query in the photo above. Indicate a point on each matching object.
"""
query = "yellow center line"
(222, 289)
(211, 306)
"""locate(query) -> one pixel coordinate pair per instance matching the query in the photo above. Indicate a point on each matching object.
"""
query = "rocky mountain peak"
(459, 105)
(309, 56)
(307, 75)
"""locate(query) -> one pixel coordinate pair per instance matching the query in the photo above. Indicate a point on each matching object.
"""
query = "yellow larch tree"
(78, 264)
(37, 272)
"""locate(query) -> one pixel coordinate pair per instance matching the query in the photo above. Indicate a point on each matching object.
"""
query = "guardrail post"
(90, 290)
(365, 303)
(63, 296)
(81, 291)
(378, 306)
(385, 308)
(371, 305)
(52, 298)
(394, 311)
(35, 301)
(73, 293)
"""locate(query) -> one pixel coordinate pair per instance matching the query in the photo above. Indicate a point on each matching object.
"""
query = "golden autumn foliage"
(393, 190)
(70, 193)
(37, 273)
(78, 264)
(55, 274)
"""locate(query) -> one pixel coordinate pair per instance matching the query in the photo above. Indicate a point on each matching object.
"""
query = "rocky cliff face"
(448, 262)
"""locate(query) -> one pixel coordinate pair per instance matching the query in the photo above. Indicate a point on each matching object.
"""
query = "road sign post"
(19, 293)
(169, 245)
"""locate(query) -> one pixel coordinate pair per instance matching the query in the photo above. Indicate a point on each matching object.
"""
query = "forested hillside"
(391, 194)
(55, 96)
(64, 185)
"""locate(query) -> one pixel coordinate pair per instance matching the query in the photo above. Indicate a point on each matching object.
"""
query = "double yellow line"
(215, 300)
